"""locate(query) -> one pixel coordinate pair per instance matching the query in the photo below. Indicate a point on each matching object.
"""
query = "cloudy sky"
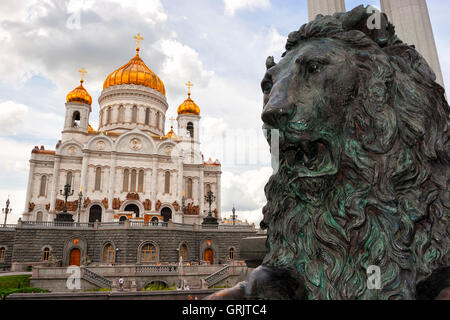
(219, 45)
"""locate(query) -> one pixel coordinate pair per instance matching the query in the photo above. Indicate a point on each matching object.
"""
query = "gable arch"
(95, 143)
(123, 143)
(66, 148)
(175, 150)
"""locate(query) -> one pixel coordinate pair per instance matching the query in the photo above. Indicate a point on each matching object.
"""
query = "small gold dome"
(135, 72)
(171, 134)
(189, 107)
(79, 95)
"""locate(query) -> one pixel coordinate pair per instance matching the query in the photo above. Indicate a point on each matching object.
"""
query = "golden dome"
(171, 134)
(189, 107)
(135, 72)
(79, 95)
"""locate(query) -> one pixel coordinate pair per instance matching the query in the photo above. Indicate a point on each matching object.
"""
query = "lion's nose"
(275, 116)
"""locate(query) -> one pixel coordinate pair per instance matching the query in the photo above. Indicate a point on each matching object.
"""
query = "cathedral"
(128, 169)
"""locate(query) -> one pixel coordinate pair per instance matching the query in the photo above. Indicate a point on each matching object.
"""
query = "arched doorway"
(209, 256)
(132, 208)
(95, 213)
(75, 256)
(122, 219)
(167, 214)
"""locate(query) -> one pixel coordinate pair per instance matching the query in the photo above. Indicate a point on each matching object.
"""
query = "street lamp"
(80, 199)
(233, 216)
(210, 198)
(67, 193)
(6, 210)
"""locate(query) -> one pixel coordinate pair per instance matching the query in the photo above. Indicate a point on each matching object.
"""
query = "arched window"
(2, 253)
(133, 181)
(108, 116)
(98, 178)
(43, 187)
(148, 253)
(147, 116)
(126, 178)
(69, 178)
(134, 114)
(189, 188)
(208, 188)
(39, 216)
(167, 182)
(157, 120)
(46, 254)
(108, 253)
(183, 254)
(141, 181)
(231, 253)
(190, 129)
(76, 119)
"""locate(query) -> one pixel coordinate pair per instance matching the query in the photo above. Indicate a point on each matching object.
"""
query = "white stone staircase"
(218, 276)
(96, 279)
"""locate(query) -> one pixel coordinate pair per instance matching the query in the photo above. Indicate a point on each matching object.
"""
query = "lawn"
(17, 284)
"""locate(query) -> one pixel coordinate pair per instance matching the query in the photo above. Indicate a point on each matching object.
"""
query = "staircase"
(96, 279)
(218, 276)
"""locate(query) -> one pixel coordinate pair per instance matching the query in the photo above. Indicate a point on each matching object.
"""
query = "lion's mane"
(389, 203)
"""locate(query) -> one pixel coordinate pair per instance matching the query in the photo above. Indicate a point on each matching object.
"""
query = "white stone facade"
(128, 143)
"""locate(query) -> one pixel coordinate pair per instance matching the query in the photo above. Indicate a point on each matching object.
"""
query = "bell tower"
(78, 109)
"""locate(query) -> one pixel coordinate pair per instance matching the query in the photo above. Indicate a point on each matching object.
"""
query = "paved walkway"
(4, 274)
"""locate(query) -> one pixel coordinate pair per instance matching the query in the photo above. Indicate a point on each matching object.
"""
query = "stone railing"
(96, 279)
(8, 226)
(218, 276)
(128, 225)
(156, 269)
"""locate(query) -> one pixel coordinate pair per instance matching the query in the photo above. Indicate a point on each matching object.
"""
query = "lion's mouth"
(313, 158)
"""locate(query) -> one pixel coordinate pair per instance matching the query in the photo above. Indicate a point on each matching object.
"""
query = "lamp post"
(210, 221)
(80, 199)
(67, 193)
(210, 198)
(6, 210)
(233, 216)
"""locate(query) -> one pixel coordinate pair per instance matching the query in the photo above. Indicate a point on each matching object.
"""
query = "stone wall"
(25, 245)
(7, 241)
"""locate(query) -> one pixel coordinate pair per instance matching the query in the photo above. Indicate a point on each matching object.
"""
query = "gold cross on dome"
(189, 84)
(138, 39)
(172, 120)
(83, 72)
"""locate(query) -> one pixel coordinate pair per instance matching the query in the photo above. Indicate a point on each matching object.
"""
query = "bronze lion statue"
(363, 174)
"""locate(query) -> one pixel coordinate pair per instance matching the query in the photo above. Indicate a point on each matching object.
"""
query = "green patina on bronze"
(364, 161)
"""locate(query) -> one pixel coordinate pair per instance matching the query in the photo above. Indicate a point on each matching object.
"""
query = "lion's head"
(363, 160)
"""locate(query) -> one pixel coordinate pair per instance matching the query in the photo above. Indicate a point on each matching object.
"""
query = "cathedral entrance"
(133, 208)
(95, 213)
(74, 259)
(167, 214)
(209, 256)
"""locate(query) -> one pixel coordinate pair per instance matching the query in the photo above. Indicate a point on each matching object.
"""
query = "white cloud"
(181, 64)
(11, 116)
(231, 6)
(17, 204)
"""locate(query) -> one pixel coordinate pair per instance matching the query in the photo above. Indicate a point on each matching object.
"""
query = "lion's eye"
(267, 84)
(313, 67)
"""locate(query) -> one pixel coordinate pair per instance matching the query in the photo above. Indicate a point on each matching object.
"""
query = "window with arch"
(157, 120)
(148, 253)
(147, 116)
(98, 178)
(208, 188)
(46, 254)
(108, 253)
(121, 115)
(76, 117)
(167, 182)
(126, 178)
(189, 188)
(190, 130)
(2, 253)
(183, 253)
(69, 178)
(141, 181)
(134, 114)
(43, 186)
(231, 254)
(133, 181)
(39, 216)
(108, 116)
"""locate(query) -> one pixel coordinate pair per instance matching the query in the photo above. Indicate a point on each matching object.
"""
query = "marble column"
(219, 196)
(84, 168)
(112, 182)
(154, 181)
(30, 186)
(325, 7)
(413, 26)
(55, 180)
(201, 187)
(180, 180)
